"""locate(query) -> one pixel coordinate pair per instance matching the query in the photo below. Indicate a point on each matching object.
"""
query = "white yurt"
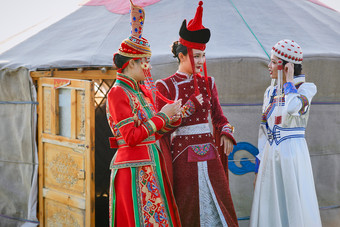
(76, 51)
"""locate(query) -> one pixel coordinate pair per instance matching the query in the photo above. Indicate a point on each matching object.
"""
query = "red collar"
(128, 81)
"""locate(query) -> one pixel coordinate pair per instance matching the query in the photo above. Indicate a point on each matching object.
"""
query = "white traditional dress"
(285, 192)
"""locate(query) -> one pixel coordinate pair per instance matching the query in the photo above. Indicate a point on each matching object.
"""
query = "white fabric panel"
(210, 211)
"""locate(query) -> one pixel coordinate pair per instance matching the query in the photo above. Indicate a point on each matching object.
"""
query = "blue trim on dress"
(257, 165)
(300, 76)
(274, 135)
(289, 87)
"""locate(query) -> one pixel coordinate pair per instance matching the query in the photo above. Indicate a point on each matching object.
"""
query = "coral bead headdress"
(137, 47)
(288, 50)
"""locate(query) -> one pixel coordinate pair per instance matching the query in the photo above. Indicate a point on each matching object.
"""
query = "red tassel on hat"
(191, 57)
(206, 78)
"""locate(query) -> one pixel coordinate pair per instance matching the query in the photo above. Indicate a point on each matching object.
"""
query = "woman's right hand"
(172, 109)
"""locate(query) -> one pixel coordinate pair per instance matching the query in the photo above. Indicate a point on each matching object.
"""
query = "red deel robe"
(185, 149)
(140, 191)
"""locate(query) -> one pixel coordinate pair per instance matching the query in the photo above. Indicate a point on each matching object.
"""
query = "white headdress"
(288, 50)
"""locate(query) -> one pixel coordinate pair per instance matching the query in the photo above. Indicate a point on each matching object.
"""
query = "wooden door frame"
(89, 146)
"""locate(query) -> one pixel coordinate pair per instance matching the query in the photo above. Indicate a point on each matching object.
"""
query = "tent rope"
(19, 102)
(260, 104)
(19, 219)
(18, 162)
(320, 208)
(250, 29)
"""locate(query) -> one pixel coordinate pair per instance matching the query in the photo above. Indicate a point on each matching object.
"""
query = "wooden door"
(66, 152)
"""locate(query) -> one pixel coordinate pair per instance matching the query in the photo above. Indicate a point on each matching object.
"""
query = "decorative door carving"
(66, 152)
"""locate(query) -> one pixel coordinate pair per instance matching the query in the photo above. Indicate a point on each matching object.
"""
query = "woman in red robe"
(192, 154)
(140, 190)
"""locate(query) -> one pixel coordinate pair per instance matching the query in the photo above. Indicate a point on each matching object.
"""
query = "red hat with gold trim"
(195, 35)
(136, 46)
(288, 50)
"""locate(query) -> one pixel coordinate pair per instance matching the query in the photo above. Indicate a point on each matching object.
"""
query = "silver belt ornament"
(192, 129)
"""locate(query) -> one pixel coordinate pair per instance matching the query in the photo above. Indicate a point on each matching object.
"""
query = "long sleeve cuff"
(228, 131)
(190, 106)
(289, 87)
(156, 123)
(169, 127)
(174, 124)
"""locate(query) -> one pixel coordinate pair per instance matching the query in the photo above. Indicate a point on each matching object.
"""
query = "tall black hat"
(195, 35)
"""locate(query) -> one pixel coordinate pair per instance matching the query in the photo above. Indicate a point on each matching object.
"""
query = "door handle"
(81, 174)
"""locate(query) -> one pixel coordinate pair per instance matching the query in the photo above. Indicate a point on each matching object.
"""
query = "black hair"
(297, 67)
(177, 48)
(119, 60)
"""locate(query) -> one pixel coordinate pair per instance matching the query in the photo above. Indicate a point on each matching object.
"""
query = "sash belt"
(192, 129)
(279, 134)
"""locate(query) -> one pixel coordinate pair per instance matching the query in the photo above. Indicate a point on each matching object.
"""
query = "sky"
(335, 4)
(17, 23)
(20, 19)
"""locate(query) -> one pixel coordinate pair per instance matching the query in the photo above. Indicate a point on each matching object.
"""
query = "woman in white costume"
(284, 190)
